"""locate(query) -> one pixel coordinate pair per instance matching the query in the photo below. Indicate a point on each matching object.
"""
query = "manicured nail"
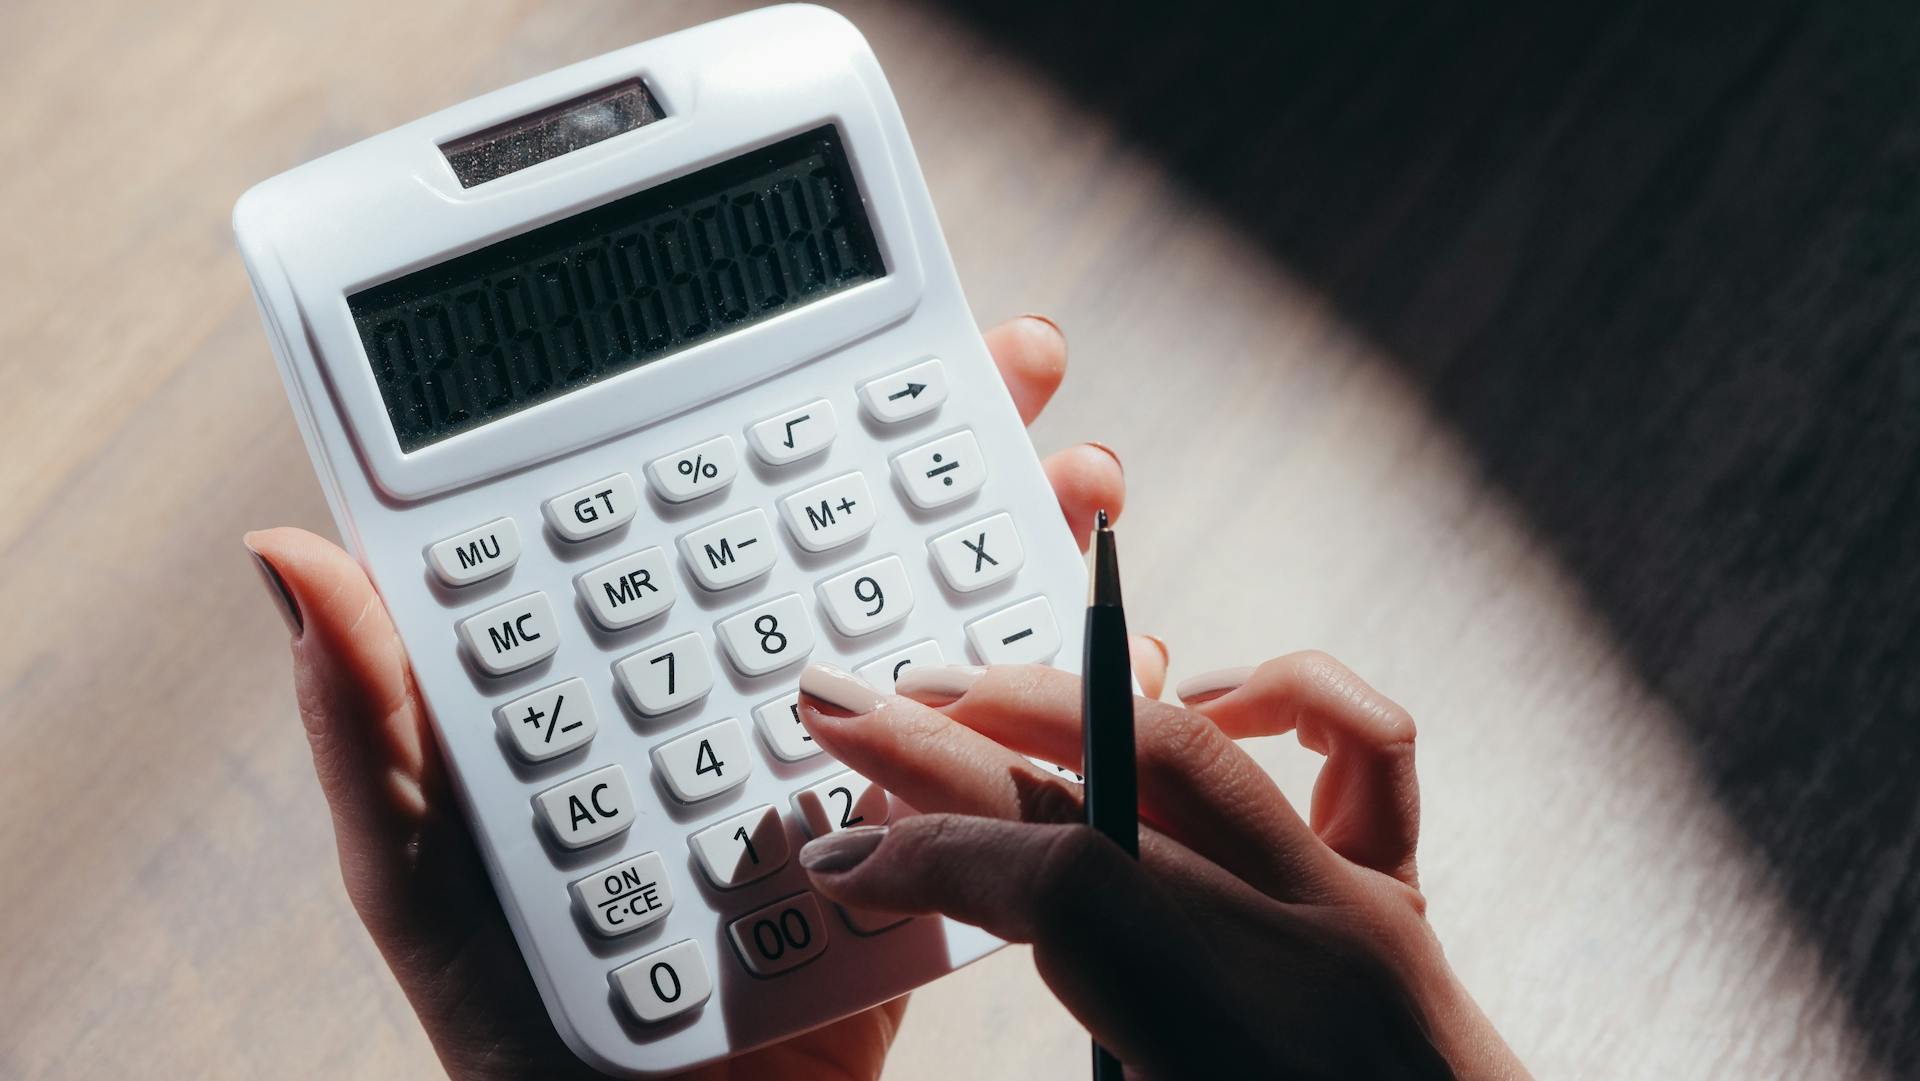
(1166, 656)
(938, 686)
(842, 851)
(1050, 323)
(276, 585)
(1208, 686)
(842, 691)
(1108, 451)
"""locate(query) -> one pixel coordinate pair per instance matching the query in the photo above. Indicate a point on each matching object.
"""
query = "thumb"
(1107, 939)
(410, 866)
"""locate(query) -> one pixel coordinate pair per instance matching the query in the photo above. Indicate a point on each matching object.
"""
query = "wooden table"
(1556, 371)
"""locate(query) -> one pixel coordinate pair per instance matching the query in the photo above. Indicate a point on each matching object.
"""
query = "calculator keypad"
(698, 760)
(841, 802)
(830, 514)
(867, 598)
(944, 471)
(480, 552)
(768, 636)
(589, 808)
(744, 848)
(627, 896)
(979, 554)
(1022, 634)
(665, 983)
(733, 550)
(511, 636)
(592, 509)
(795, 434)
(549, 722)
(780, 726)
(666, 675)
(705, 762)
(884, 672)
(699, 470)
(907, 393)
(782, 936)
(629, 590)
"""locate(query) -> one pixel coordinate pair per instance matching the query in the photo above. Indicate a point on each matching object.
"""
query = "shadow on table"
(1661, 268)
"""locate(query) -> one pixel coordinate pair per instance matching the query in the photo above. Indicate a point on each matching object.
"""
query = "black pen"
(1106, 719)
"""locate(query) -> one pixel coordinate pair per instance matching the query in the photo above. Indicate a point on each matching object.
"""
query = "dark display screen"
(607, 290)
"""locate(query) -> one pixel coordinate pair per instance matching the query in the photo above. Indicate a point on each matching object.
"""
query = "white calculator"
(634, 387)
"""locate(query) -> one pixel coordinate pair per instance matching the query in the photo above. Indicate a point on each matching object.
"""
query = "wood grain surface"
(1558, 371)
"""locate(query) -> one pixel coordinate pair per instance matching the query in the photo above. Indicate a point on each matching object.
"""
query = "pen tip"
(1100, 519)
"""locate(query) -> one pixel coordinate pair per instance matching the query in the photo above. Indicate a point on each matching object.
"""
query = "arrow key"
(907, 393)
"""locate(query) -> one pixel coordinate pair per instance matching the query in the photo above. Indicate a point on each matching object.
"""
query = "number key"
(868, 597)
(705, 762)
(741, 849)
(665, 982)
(780, 723)
(842, 802)
(666, 675)
(769, 636)
(784, 935)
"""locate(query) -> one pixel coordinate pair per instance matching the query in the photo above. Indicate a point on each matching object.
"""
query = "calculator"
(635, 387)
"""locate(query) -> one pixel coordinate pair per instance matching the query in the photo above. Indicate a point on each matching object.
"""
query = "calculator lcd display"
(556, 308)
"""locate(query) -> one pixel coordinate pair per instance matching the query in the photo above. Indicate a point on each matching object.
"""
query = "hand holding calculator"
(632, 387)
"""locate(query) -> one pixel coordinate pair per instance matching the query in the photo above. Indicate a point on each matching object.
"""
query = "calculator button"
(549, 722)
(744, 848)
(731, 550)
(629, 590)
(593, 509)
(627, 896)
(937, 473)
(868, 597)
(704, 763)
(907, 393)
(840, 802)
(794, 434)
(480, 552)
(885, 671)
(666, 675)
(780, 726)
(831, 513)
(696, 471)
(1022, 634)
(589, 808)
(511, 636)
(866, 921)
(978, 555)
(784, 935)
(769, 636)
(666, 982)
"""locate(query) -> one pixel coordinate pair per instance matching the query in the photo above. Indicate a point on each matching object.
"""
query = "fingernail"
(843, 691)
(1055, 327)
(1108, 451)
(1208, 686)
(1166, 656)
(842, 851)
(940, 685)
(276, 585)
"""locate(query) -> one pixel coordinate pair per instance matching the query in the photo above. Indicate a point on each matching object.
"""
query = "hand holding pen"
(1244, 942)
